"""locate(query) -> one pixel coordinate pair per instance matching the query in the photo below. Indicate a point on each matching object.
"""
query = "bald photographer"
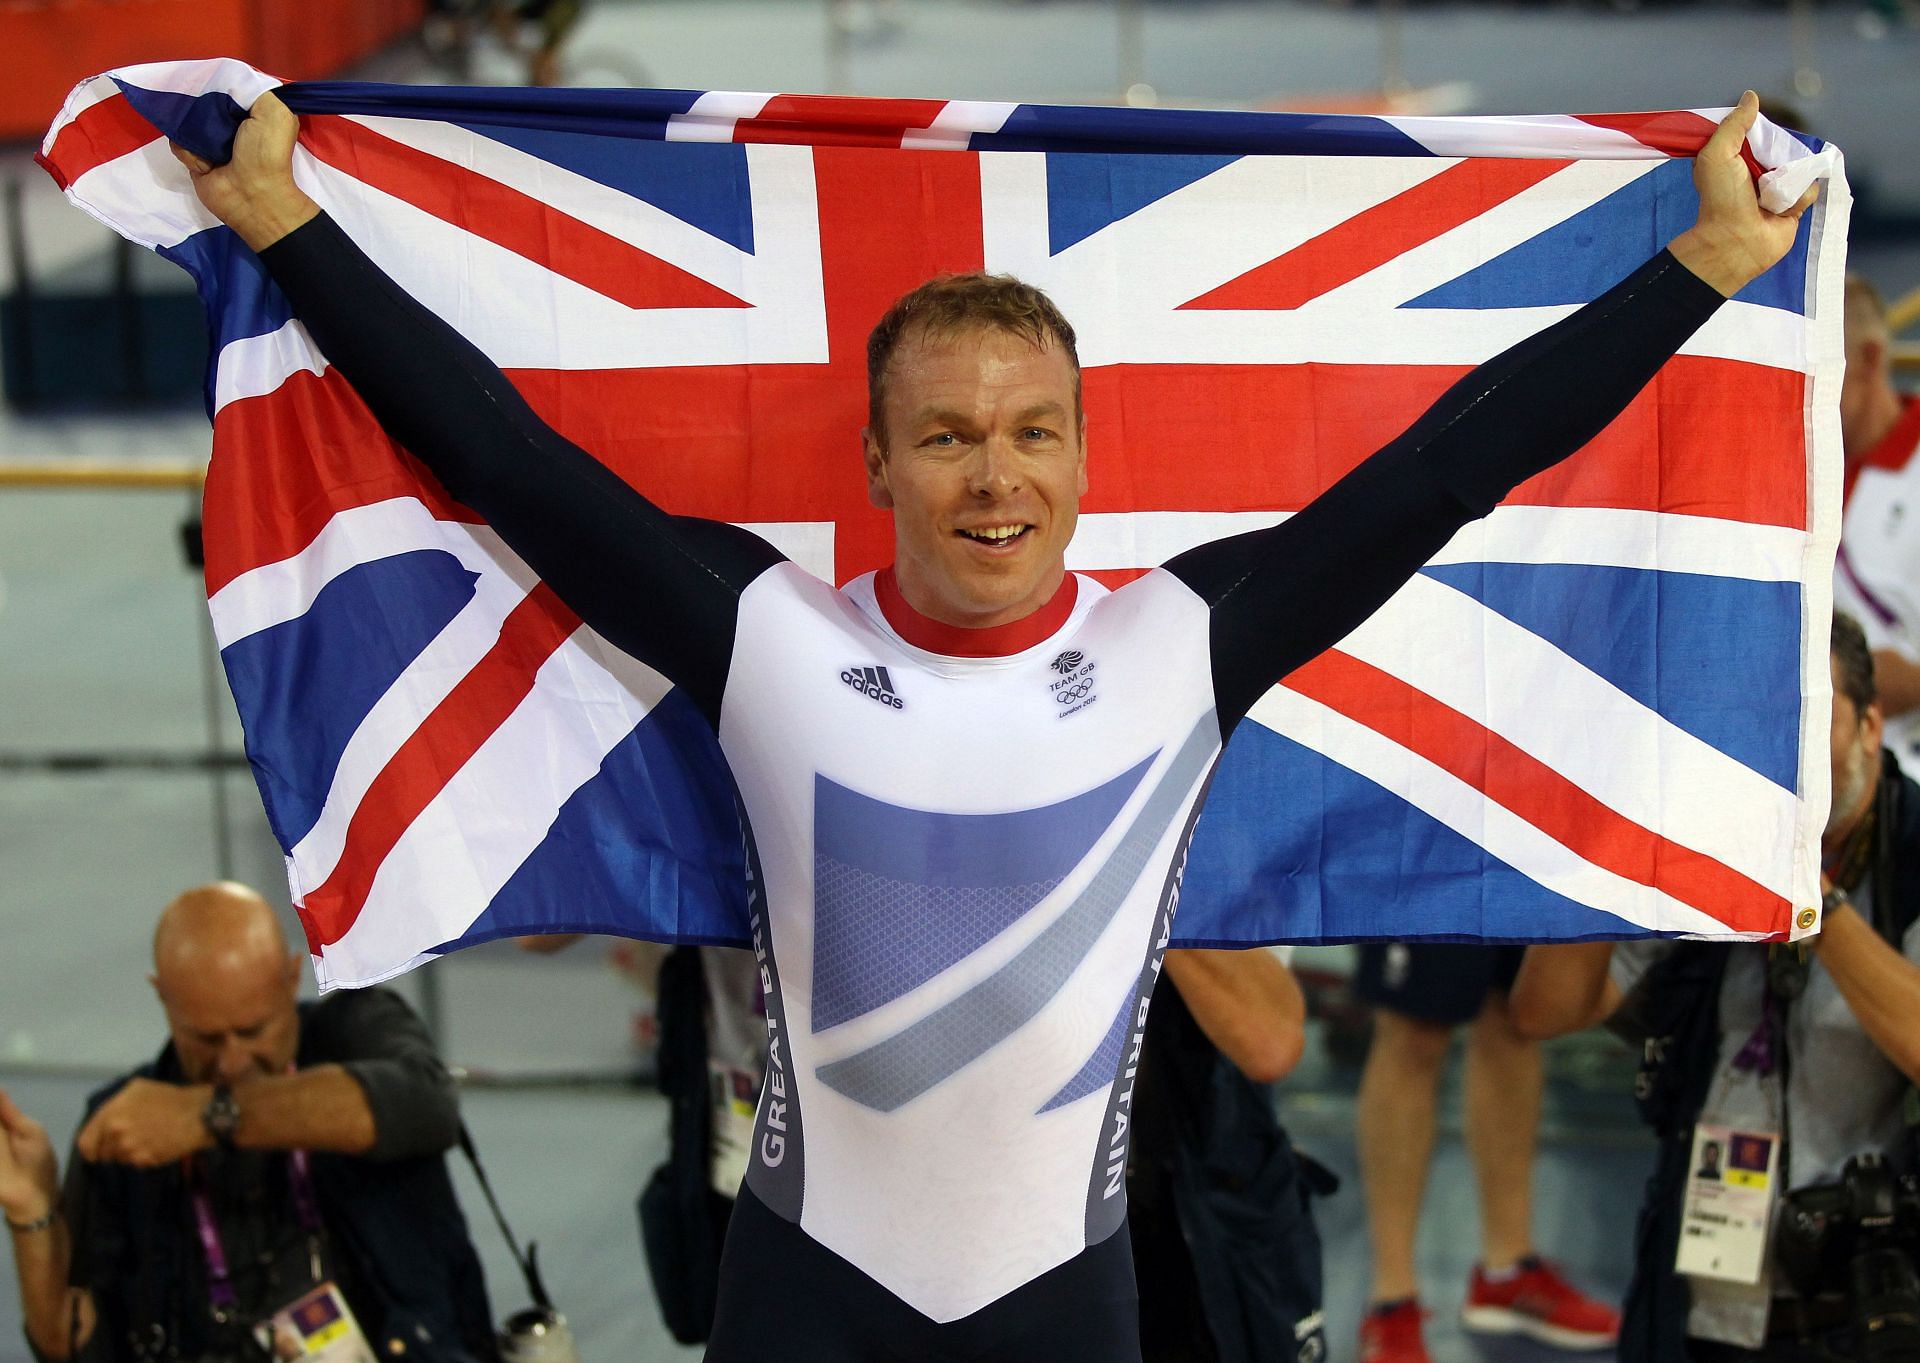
(271, 1183)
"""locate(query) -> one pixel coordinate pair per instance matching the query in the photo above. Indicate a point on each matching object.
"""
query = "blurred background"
(121, 779)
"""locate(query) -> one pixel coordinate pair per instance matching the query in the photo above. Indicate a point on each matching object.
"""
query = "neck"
(995, 639)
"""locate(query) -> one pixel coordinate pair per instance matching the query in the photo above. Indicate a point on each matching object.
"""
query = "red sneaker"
(1541, 1304)
(1391, 1334)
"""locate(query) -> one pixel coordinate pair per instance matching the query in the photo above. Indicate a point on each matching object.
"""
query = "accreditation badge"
(317, 1328)
(1727, 1203)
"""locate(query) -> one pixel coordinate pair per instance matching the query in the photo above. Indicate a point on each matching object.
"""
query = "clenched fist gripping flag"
(1600, 712)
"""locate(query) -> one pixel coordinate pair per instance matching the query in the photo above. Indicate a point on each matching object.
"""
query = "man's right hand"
(255, 193)
(29, 1173)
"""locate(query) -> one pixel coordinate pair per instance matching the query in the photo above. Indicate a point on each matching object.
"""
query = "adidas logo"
(873, 683)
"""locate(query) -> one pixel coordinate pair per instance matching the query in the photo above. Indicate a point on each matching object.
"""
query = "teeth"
(995, 532)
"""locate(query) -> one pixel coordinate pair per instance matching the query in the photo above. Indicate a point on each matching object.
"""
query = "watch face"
(222, 1114)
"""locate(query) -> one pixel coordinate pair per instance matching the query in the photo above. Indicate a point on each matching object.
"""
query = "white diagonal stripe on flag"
(395, 717)
(275, 593)
(254, 366)
(82, 98)
(159, 210)
(460, 851)
(622, 216)
(1484, 236)
(1523, 136)
(713, 116)
(1470, 813)
(1624, 755)
(542, 320)
(953, 128)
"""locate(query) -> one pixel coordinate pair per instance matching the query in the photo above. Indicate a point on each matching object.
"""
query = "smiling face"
(983, 462)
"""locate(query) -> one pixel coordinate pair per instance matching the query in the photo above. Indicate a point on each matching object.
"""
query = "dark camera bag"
(683, 1221)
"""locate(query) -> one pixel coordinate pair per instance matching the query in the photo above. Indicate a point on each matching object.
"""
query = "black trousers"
(785, 1297)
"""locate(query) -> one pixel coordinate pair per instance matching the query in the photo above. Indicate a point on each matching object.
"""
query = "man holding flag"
(926, 756)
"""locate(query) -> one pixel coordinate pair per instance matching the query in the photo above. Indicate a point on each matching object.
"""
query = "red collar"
(962, 641)
(1894, 449)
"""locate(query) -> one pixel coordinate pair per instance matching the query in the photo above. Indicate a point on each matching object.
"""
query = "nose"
(235, 1061)
(994, 470)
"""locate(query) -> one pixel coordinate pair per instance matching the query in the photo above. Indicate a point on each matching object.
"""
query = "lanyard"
(1765, 1058)
(1765, 1051)
(1759, 1056)
(1762, 1059)
(219, 1277)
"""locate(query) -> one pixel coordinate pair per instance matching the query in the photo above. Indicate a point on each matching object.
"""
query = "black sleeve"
(374, 1036)
(1283, 595)
(663, 588)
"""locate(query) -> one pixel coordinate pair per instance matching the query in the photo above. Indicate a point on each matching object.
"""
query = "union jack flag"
(682, 283)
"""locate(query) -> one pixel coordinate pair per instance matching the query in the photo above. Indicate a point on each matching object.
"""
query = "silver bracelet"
(38, 1222)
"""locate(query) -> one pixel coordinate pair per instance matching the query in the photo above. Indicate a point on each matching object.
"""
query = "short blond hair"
(953, 305)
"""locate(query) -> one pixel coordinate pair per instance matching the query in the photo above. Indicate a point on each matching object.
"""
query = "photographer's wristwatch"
(221, 1116)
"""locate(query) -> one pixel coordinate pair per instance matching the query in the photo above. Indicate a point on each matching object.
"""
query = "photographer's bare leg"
(1396, 1116)
(1503, 1082)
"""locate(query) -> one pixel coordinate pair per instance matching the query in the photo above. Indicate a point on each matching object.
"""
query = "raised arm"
(1880, 982)
(663, 588)
(1283, 595)
(59, 1320)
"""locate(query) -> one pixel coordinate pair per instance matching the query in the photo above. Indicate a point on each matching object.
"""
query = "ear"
(158, 992)
(1083, 454)
(876, 461)
(294, 964)
(1873, 727)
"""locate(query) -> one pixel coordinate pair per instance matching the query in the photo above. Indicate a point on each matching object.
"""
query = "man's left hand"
(146, 1124)
(1734, 240)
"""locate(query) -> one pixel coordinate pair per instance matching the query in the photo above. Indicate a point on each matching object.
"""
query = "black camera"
(1859, 1238)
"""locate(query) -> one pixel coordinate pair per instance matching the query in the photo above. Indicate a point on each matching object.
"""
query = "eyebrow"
(944, 415)
(948, 416)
